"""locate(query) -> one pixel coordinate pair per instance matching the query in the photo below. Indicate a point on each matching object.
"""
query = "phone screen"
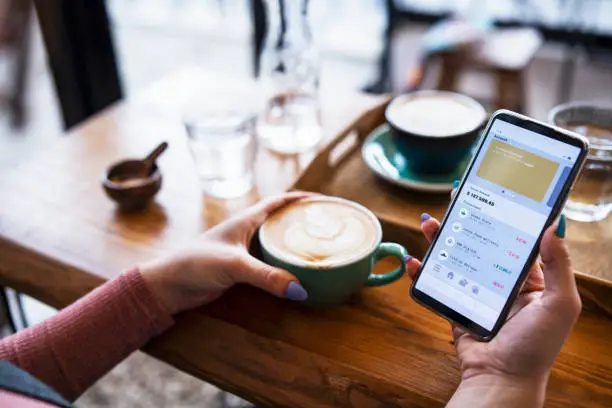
(496, 220)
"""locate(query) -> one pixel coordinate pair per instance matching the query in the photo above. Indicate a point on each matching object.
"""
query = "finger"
(271, 204)
(412, 266)
(273, 280)
(558, 275)
(457, 331)
(264, 208)
(429, 226)
(535, 279)
(521, 301)
(462, 338)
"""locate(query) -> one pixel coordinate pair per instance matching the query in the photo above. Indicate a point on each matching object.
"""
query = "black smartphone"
(513, 189)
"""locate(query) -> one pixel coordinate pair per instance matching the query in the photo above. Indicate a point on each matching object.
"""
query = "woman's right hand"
(516, 363)
(220, 258)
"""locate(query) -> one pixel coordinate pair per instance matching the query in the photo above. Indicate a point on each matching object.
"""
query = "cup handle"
(383, 250)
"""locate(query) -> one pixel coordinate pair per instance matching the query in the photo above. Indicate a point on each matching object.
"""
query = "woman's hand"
(219, 259)
(520, 356)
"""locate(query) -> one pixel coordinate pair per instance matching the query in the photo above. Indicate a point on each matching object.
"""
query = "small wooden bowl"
(123, 184)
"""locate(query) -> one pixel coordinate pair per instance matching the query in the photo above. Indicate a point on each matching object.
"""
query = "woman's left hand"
(218, 260)
(519, 358)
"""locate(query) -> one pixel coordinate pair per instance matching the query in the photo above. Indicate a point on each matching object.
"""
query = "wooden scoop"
(149, 161)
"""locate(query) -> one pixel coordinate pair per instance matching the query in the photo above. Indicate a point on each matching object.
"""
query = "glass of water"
(591, 197)
(224, 147)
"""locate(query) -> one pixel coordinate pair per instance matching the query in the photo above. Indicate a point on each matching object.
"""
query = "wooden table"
(60, 237)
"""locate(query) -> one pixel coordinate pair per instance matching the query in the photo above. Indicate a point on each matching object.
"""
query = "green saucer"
(381, 156)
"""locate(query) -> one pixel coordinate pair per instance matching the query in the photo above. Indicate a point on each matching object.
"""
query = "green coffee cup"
(333, 283)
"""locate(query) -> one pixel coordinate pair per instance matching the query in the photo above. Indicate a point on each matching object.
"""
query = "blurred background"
(370, 44)
(63, 61)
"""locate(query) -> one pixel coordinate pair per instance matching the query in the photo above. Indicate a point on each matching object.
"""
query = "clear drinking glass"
(224, 147)
(290, 119)
(591, 198)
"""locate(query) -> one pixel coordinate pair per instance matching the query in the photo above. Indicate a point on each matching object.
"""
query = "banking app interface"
(496, 221)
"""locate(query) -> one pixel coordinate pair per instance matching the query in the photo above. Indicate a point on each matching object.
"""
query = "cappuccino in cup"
(437, 115)
(321, 233)
(434, 130)
(330, 245)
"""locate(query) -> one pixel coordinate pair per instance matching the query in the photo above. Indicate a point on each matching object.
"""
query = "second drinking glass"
(224, 147)
(290, 120)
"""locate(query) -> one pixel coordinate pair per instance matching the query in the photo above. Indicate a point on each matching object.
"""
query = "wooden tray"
(339, 170)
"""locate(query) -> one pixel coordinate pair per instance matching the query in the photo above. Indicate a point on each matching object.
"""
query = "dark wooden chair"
(15, 38)
(505, 54)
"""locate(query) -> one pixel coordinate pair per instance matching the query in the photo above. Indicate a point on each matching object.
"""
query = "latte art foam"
(320, 231)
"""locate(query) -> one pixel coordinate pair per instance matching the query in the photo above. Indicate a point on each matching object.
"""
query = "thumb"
(273, 280)
(558, 275)
(260, 211)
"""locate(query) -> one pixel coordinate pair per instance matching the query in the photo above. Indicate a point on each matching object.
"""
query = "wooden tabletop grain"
(60, 237)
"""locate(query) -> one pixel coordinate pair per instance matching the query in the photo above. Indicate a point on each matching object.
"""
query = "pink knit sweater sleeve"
(77, 346)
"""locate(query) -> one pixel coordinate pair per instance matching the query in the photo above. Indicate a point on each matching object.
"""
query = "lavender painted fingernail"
(296, 292)
(407, 258)
(425, 217)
